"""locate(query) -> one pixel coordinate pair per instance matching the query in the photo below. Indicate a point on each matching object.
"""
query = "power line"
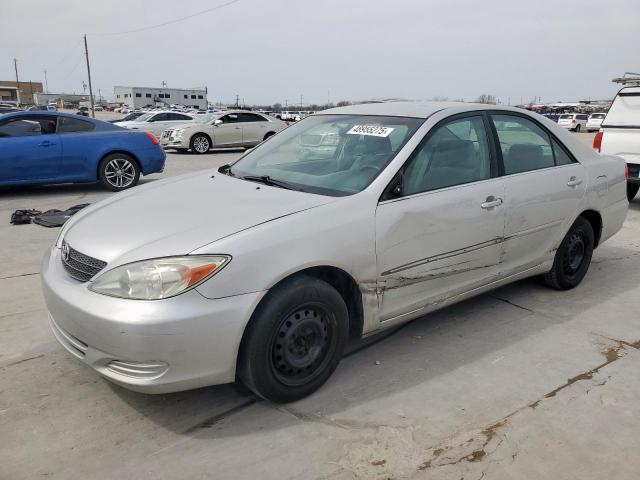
(169, 22)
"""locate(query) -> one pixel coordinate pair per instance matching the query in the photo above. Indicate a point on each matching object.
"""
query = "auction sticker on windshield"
(373, 130)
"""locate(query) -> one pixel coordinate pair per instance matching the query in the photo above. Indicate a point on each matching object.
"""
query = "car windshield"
(329, 154)
(206, 118)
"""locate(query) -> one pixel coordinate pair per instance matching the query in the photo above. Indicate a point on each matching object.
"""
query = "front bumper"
(174, 142)
(158, 346)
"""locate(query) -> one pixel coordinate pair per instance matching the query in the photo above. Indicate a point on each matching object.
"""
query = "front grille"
(80, 266)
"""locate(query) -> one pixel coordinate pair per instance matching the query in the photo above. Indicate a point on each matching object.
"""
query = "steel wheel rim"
(120, 172)
(303, 345)
(200, 144)
(575, 253)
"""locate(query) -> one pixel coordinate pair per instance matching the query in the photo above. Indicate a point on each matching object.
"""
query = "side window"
(524, 145)
(178, 116)
(73, 125)
(455, 154)
(161, 117)
(28, 127)
(231, 118)
(250, 117)
(562, 158)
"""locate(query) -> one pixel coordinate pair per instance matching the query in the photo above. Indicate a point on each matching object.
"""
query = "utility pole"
(237, 100)
(300, 102)
(86, 52)
(46, 82)
(15, 65)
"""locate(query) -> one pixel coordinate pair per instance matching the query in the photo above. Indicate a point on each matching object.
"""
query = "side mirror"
(217, 123)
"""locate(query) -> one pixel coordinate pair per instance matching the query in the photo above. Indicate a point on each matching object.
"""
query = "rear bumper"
(152, 160)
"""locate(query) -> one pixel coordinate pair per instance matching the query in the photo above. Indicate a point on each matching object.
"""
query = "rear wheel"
(118, 171)
(200, 143)
(573, 257)
(632, 190)
(269, 134)
(294, 341)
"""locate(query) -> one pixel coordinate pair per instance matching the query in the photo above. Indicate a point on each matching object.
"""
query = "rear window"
(597, 115)
(566, 117)
(625, 111)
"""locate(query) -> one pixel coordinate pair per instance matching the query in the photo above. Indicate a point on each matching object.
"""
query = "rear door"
(544, 186)
(229, 132)
(442, 236)
(254, 128)
(29, 149)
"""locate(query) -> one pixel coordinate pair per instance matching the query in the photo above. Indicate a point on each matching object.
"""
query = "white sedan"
(232, 128)
(157, 122)
(347, 223)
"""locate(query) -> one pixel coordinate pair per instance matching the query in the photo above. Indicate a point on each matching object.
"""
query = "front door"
(229, 132)
(29, 149)
(544, 186)
(442, 235)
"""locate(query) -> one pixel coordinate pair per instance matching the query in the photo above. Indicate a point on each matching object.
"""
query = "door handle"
(574, 182)
(46, 143)
(491, 202)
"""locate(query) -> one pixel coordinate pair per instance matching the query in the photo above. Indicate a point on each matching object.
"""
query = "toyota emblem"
(65, 252)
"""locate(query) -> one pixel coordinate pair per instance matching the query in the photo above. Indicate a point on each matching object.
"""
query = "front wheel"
(632, 190)
(200, 143)
(118, 171)
(573, 257)
(294, 340)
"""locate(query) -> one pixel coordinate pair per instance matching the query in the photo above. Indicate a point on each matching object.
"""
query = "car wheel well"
(201, 133)
(267, 135)
(128, 154)
(346, 287)
(595, 220)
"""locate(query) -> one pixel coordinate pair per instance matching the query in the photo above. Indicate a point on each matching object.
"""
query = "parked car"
(620, 135)
(573, 121)
(52, 147)
(594, 121)
(235, 128)
(157, 122)
(128, 118)
(263, 270)
(84, 111)
(552, 116)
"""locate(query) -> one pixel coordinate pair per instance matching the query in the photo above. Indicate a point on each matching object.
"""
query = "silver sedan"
(349, 222)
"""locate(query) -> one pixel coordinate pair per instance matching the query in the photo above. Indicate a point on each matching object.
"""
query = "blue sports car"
(53, 147)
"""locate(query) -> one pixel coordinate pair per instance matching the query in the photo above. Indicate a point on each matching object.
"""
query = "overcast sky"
(270, 51)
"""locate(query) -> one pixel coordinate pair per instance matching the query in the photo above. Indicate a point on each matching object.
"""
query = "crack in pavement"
(18, 362)
(509, 302)
(20, 275)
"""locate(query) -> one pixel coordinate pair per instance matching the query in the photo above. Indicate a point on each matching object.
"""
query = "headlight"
(178, 133)
(158, 278)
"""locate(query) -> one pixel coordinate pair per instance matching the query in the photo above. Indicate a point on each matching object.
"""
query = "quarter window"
(524, 145)
(561, 156)
(73, 125)
(455, 154)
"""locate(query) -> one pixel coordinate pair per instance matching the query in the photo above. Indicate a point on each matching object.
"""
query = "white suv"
(594, 121)
(573, 121)
(620, 135)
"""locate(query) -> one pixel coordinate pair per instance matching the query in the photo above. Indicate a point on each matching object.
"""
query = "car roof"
(415, 109)
(100, 125)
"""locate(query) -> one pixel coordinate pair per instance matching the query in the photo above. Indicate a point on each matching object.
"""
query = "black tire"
(118, 171)
(294, 341)
(200, 143)
(269, 134)
(632, 190)
(573, 257)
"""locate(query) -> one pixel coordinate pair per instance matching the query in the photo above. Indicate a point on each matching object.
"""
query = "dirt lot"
(524, 382)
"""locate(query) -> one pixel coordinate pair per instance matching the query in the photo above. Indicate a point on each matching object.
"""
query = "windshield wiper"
(267, 180)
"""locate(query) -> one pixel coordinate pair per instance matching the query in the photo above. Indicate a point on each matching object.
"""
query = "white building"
(138, 97)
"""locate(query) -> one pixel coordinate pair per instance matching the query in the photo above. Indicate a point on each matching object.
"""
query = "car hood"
(178, 215)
